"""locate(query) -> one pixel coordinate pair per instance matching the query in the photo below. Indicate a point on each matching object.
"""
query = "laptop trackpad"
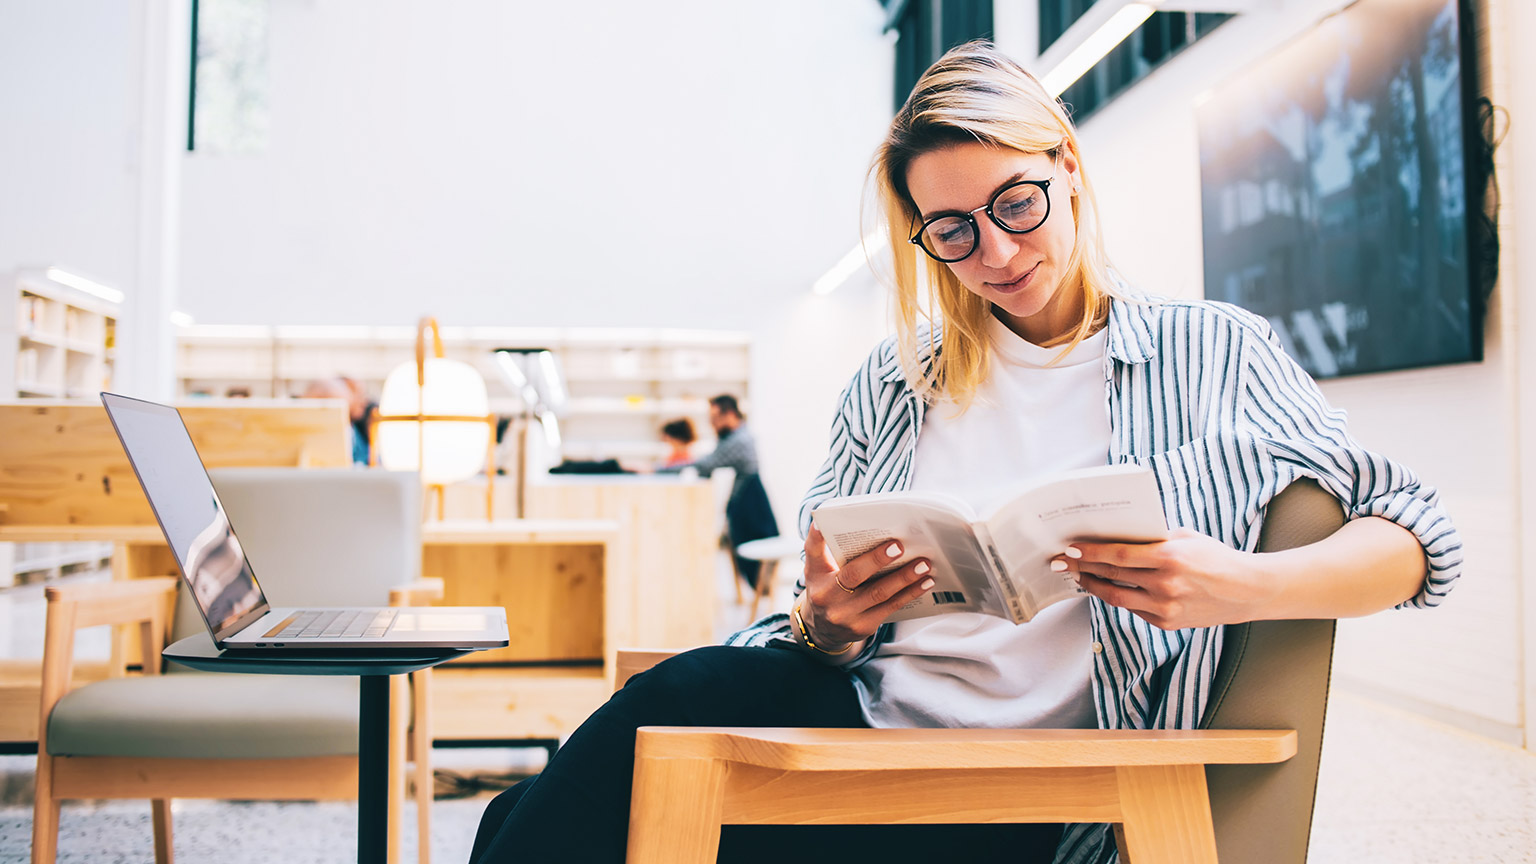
(440, 622)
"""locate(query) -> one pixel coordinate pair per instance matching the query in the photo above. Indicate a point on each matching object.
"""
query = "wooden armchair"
(1245, 789)
(319, 537)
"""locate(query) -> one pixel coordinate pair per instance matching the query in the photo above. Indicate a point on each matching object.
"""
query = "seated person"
(736, 448)
(358, 408)
(1038, 357)
(679, 436)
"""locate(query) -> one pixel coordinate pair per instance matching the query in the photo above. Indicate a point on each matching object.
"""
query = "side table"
(373, 670)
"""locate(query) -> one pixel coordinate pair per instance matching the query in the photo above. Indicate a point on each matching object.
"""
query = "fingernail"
(1058, 566)
(1074, 552)
(922, 567)
(927, 583)
(893, 550)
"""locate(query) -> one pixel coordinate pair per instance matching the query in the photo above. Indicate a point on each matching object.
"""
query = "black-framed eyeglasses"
(1017, 208)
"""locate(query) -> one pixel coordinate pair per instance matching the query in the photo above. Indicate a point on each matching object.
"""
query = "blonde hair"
(975, 93)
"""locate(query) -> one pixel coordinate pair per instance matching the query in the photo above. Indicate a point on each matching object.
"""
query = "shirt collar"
(1130, 326)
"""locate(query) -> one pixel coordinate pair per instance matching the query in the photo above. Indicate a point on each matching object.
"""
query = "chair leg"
(736, 577)
(1167, 815)
(45, 829)
(766, 572)
(674, 814)
(421, 744)
(161, 810)
(45, 811)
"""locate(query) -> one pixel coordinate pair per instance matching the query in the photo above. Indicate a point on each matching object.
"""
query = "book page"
(925, 530)
(1119, 505)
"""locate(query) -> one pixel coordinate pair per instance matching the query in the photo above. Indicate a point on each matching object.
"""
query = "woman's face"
(1020, 274)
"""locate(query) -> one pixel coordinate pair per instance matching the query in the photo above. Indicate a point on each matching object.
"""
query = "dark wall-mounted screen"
(1334, 191)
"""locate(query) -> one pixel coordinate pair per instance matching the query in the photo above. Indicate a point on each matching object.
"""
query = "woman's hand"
(1191, 580)
(1188, 580)
(845, 605)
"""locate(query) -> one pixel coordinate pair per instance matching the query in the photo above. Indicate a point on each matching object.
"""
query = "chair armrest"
(119, 602)
(418, 593)
(147, 602)
(630, 662)
(796, 749)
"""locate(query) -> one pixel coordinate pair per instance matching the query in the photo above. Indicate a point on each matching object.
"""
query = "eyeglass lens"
(1019, 208)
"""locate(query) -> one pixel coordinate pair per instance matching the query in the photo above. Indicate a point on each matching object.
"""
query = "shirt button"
(1098, 647)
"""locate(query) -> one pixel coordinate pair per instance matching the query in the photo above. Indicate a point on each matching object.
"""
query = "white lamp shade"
(452, 450)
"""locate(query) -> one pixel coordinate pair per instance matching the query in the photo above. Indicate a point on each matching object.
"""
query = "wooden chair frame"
(148, 604)
(1152, 785)
(690, 781)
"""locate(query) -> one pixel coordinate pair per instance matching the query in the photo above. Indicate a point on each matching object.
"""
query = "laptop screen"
(191, 516)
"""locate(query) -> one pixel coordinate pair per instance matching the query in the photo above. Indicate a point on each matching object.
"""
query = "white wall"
(518, 163)
(92, 111)
(1456, 425)
(69, 136)
(688, 164)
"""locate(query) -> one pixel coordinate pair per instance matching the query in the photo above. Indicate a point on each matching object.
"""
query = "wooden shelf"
(59, 343)
(623, 383)
(511, 702)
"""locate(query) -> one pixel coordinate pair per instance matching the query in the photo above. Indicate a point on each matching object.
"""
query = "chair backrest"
(320, 536)
(748, 513)
(1274, 675)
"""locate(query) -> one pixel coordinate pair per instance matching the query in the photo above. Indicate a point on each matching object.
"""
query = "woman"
(1044, 361)
(679, 436)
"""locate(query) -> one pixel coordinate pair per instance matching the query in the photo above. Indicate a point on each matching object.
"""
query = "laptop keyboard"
(337, 624)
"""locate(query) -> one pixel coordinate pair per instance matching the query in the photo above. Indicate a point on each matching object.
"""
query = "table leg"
(373, 769)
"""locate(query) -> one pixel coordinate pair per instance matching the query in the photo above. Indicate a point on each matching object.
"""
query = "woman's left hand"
(1187, 580)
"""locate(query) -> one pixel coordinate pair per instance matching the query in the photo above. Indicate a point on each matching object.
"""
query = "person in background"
(361, 408)
(1036, 357)
(735, 449)
(679, 436)
(748, 512)
(347, 391)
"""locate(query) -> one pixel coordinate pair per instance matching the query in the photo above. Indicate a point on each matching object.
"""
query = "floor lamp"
(434, 417)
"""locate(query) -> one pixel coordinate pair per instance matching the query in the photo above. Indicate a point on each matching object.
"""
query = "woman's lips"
(1018, 284)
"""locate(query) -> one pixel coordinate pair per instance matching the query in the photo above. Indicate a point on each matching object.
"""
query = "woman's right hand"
(845, 605)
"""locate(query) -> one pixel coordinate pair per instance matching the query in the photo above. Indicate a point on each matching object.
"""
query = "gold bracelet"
(805, 635)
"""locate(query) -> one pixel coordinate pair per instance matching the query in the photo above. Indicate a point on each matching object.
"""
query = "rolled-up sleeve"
(1305, 436)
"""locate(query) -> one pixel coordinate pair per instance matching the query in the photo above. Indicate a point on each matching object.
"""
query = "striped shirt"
(1203, 394)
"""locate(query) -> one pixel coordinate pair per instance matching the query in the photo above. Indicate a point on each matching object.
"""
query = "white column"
(1016, 30)
(1511, 25)
(147, 340)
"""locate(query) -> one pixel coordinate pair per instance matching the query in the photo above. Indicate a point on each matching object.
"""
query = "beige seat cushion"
(208, 716)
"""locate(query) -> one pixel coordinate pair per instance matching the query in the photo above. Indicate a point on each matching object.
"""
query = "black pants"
(577, 810)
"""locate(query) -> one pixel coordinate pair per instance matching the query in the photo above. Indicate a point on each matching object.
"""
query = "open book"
(1000, 564)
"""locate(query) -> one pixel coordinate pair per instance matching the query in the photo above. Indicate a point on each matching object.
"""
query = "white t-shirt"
(966, 669)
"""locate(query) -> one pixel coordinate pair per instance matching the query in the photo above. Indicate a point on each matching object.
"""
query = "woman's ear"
(1074, 177)
(1069, 164)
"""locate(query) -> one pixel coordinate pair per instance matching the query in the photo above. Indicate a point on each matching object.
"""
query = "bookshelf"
(61, 343)
(623, 383)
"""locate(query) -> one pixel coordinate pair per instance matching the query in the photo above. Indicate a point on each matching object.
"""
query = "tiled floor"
(1393, 789)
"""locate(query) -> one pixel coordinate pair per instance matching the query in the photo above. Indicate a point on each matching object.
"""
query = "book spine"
(998, 573)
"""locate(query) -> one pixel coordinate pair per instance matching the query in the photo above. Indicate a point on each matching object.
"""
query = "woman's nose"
(995, 246)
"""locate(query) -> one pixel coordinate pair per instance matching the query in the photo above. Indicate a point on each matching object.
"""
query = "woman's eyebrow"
(1015, 178)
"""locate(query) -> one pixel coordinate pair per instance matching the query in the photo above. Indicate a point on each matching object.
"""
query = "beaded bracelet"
(805, 635)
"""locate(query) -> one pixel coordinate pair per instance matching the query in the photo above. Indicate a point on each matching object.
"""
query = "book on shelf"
(998, 563)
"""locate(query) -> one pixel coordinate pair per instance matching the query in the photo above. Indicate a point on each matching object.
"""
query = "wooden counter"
(665, 562)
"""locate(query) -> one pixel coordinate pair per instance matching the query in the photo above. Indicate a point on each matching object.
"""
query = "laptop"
(219, 576)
